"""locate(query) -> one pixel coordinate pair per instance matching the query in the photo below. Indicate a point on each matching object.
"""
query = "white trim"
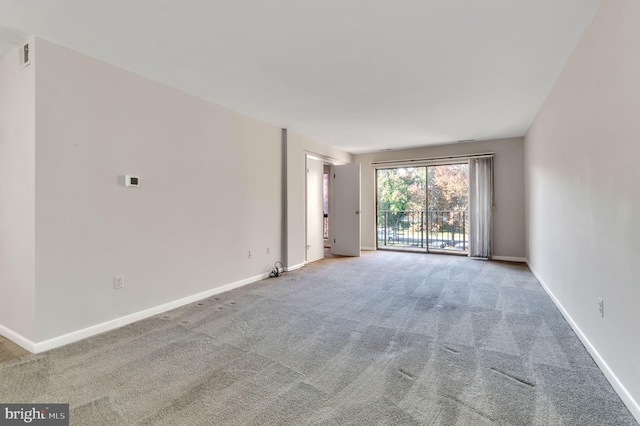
(319, 157)
(77, 335)
(294, 267)
(621, 390)
(509, 259)
(16, 338)
(368, 248)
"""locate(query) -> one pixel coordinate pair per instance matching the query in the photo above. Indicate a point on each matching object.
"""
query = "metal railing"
(433, 229)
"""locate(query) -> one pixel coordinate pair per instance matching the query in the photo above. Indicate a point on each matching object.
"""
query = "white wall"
(509, 225)
(583, 193)
(211, 191)
(297, 147)
(17, 176)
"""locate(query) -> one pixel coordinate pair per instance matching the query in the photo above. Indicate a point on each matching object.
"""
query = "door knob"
(357, 211)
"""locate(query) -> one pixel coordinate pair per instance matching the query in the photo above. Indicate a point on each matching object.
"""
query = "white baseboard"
(75, 336)
(16, 338)
(509, 259)
(294, 267)
(621, 390)
(368, 248)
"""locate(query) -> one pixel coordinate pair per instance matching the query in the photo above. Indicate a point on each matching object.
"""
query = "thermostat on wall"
(133, 181)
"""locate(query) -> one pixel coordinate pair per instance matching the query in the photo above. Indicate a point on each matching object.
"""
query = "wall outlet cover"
(118, 282)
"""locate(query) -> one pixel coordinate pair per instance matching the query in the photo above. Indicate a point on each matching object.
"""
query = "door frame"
(314, 191)
(328, 161)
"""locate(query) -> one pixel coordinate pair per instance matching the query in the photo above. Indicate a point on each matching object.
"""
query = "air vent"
(25, 55)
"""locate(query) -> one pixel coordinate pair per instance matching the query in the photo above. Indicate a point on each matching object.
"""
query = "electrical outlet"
(250, 254)
(118, 281)
(601, 307)
(268, 250)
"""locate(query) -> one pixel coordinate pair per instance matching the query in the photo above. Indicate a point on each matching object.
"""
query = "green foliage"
(402, 189)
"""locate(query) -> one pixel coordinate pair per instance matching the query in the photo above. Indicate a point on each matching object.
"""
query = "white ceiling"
(362, 75)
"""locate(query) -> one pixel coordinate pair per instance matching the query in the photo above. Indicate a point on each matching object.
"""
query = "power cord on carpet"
(278, 270)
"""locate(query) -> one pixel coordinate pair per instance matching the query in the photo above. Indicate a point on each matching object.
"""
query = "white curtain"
(480, 207)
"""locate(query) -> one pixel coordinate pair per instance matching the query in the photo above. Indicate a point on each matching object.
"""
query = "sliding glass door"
(424, 208)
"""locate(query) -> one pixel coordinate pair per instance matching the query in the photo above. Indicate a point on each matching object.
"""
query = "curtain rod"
(450, 157)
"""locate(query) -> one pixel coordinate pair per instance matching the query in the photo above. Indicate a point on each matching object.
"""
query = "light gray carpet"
(389, 338)
(10, 351)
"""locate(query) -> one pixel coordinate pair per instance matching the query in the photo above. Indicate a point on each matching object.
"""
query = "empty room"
(306, 212)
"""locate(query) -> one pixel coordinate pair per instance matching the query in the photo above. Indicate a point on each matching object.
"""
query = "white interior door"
(344, 214)
(315, 210)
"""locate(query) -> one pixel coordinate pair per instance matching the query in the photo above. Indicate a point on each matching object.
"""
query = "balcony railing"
(433, 229)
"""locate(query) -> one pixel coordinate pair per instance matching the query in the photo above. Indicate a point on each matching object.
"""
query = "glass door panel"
(448, 207)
